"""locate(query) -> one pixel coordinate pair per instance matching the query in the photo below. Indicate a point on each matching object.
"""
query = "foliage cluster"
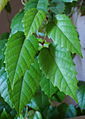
(36, 62)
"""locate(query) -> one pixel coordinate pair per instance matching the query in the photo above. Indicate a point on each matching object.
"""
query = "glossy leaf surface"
(32, 21)
(57, 65)
(25, 88)
(63, 33)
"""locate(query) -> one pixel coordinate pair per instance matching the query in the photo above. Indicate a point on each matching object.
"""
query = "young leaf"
(4, 86)
(19, 55)
(2, 4)
(32, 21)
(64, 34)
(25, 88)
(38, 4)
(47, 87)
(16, 24)
(56, 63)
(81, 96)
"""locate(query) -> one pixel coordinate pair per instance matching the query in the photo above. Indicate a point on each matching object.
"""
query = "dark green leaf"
(39, 102)
(71, 111)
(4, 86)
(3, 40)
(81, 96)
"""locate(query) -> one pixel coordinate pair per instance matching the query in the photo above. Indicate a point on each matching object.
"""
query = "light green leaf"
(64, 34)
(16, 24)
(4, 86)
(38, 4)
(47, 87)
(19, 55)
(25, 88)
(68, 0)
(2, 4)
(81, 96)
(32, 21)
(56, 63)
(42, 5)
(37, 115)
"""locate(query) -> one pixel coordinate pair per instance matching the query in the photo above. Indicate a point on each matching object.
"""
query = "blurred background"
(5, 17)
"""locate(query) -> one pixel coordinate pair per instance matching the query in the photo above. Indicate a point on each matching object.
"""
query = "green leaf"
(66, 111)
(4, 36)
(37, 115)
(42, 5)
(4, 115)
(32, 21)
(16, 24)
(47, 87)
(64, 34)
(3, 40)
(71, 111)
(2, 4)
(19, 55)
(56, 63)
(30, 4)
(51, 113)
(38, 4)
(57, 6)
(25, 88)
(4, 86)
(39, 102)
(81, 96)
(12, 52)
(68, 0)
(58, 96)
